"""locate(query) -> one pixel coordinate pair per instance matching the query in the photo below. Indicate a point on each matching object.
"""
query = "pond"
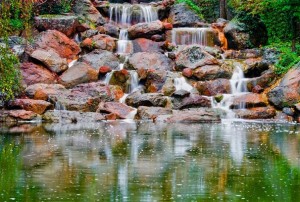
(145, 161)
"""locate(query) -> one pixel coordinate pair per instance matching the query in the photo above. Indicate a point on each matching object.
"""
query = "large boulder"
(214, 87)
(62, 23)
(287, 93)
(195, 116)
(100, 41)
(32, 73)
(37, 106)
(79, 73)
(65, 116)
(121, 110)
(57, 41)
(50, 59)
(264, 81)
(249, 100)
(121, 78)
(83, 97)
(155, 80)
(182, 16)
(145, 60)
(86, 10)
(18, 115)
(146, 45)
(256, 113)
(211, 72)
(145, 30)
(148, 113)
(193, 57)
(40, 91)
(100, 58)
(137, 99)
(245, 31)
(191, 101)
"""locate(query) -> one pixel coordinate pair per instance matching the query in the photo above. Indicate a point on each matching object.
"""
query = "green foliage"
(192, 5)
(55, 7)
(287, 58)
(209, 9)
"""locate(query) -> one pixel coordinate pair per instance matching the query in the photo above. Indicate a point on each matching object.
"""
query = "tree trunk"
(223, 13)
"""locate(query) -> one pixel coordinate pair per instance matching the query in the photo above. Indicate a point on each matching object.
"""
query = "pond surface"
(130, 161)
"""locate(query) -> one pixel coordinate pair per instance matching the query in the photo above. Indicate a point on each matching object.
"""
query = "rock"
(120, 109)
(158, 37)
(155, 80)
(264, 81)
(249, 100)
(211, 72)
(64, 116)
(193, 57)
(187, 72)
(17, 45)
(145, 30)
(288, 111)
(192, 101)
(254, 67)
(111, 117)
(100, 58)
(86, 10)
(137, 99)
(257, 89)
(104, 70)
(99, 41)
(271, 56)
(50, 59)
(89, 33)
(18, 115)
(32, 73)
(146, 45)
(121, 78)
(111, 30)
(144, 60)
(168, 26)
(181, 94)
(168, 88)
(297, 107)
(84, 97)
(41, 91)
(37, 106)
(182, 16)
(79, 73)
(214, 87)
(287, 93)
(256, 113)
(61, 23)
(57, 41)
(148, 113)
(194, 116)
(243, 34)
(243, 54)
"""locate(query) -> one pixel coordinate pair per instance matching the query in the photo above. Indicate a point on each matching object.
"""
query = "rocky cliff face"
(89, 62)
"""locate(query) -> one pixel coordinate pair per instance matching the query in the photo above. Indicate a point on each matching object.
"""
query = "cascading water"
(238, 86)
(181, 84)
(189, 36)
(124, 46)
(149, 13)
(120, 14)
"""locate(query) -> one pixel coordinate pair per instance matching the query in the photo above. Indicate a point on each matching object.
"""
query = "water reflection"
(130, 161)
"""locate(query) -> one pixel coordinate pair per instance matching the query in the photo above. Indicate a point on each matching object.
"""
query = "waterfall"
(124, 45)
(120, 14)
(123, 14)
(108, 77)
(181, 84)
(134, 81)
(149, 13)
(189, 36)
(238, 84)
(59, 106)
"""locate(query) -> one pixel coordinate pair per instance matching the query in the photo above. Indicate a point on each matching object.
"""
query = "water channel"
(145, 161)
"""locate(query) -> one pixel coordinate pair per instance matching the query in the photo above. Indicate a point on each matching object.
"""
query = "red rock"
(32, 73)
(100, 41)
(52, 39)
(187, 72)
(214, 87)
(104, 70)
(22, 114)
(111, 117)
(121, 110)
(250, 100)
(37, 106)
(168, 26)
(257, 89)
(256, 113)
(146, 45)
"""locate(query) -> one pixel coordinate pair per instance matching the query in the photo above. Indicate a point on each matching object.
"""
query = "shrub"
(54, 7)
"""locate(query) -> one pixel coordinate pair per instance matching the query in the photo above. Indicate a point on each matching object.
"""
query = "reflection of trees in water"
(148, 161)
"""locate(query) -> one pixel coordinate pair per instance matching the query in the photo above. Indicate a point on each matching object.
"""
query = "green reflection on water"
(119, 161)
